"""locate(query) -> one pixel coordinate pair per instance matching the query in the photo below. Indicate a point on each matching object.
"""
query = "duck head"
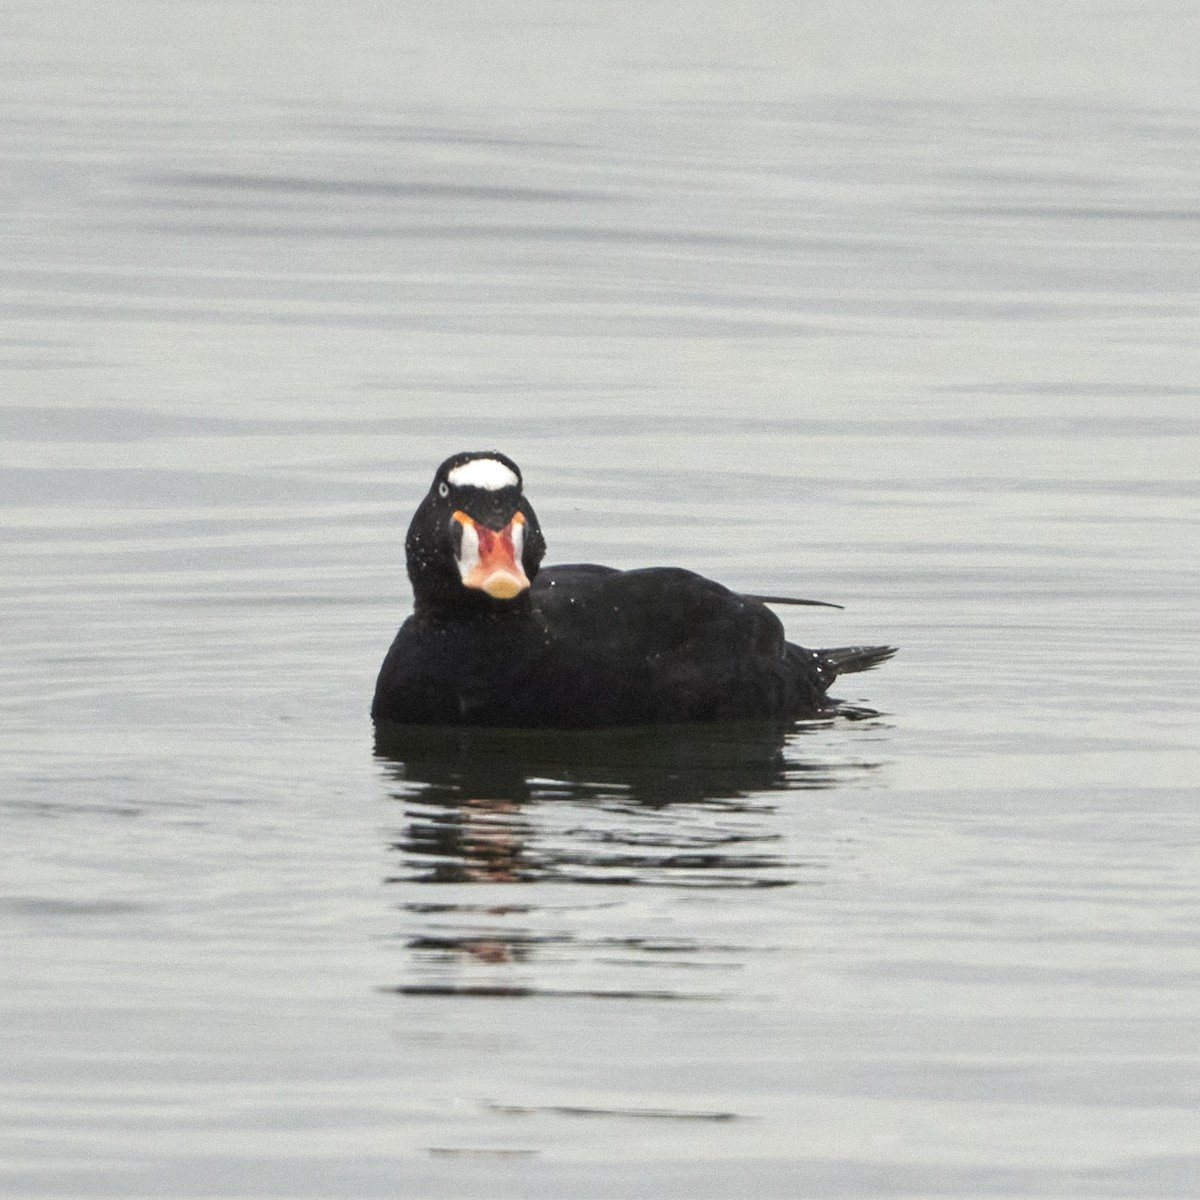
(474, 540)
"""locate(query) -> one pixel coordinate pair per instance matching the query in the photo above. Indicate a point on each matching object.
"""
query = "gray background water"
(889, 305)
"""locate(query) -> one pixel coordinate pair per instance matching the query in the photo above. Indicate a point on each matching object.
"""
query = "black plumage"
(497, 640)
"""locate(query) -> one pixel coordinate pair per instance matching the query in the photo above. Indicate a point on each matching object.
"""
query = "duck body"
(497, 640)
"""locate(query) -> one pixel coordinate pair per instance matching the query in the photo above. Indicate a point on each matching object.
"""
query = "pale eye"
(443, 489)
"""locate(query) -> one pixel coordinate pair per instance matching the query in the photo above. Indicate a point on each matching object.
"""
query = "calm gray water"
(896, 310)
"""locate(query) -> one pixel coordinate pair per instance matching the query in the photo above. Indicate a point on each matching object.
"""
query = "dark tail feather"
(845, 660)
(791, 600)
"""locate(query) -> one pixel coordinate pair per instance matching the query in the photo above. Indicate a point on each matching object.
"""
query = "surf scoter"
(496, 639)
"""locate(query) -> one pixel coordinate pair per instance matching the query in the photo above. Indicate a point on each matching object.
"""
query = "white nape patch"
(487, 473)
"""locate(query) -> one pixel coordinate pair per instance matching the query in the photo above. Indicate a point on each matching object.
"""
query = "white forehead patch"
(487, 473)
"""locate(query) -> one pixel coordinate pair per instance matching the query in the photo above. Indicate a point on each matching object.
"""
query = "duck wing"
(654, 611)
(664, 644)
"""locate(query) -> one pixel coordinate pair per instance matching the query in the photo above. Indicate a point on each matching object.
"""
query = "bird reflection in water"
(681, 807)
(472, 796)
